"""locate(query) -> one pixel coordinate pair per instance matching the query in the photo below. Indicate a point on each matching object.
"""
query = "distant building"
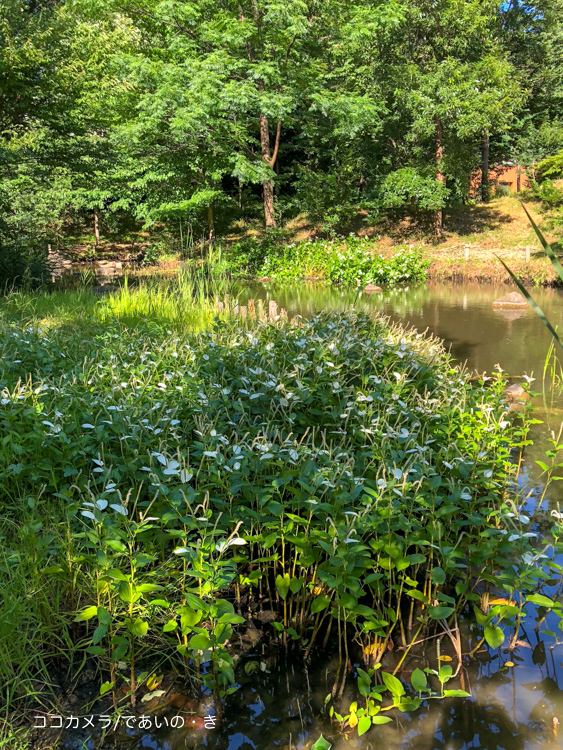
(507, 175)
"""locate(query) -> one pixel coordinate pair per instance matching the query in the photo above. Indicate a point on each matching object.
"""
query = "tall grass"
(185, 302)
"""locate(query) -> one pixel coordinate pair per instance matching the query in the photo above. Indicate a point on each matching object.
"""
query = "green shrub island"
(159, 489)
(339, 261)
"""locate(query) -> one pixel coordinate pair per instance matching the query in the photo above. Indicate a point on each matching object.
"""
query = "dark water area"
(514, 707)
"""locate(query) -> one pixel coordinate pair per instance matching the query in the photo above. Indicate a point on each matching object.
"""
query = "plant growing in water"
(341, 475)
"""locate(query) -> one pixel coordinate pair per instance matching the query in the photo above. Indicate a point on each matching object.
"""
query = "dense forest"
(195, 114)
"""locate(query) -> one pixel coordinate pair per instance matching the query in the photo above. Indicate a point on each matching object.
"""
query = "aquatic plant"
(340, 474)
(348, 260)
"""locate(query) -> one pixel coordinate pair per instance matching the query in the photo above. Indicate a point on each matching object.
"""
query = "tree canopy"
(214, 109)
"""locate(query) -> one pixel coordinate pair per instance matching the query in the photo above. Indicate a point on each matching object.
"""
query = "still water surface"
(511, 708)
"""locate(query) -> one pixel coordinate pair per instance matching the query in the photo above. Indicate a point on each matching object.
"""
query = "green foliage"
(349, 261)
(149, 481)
(194, 112)
(551, 197)
(409, 188)
(22, 265)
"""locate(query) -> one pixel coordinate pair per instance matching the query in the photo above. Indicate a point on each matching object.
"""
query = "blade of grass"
(546, 246)
(533, 304)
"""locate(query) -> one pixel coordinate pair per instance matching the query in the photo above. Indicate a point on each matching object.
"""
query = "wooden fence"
(255, 309)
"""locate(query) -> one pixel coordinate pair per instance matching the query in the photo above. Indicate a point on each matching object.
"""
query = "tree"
(452, 82)
(221, 85)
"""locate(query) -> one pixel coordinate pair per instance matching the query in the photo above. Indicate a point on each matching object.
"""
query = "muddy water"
(281, 704)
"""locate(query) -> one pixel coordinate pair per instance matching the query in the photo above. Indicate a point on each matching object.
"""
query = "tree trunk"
(485, 187)
(270, 159)
(518, 181)
(440, 176)
(96, 227)
(210, 223)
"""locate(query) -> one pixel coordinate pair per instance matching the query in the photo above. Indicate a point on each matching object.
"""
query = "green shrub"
(408, 187)
(22, 265)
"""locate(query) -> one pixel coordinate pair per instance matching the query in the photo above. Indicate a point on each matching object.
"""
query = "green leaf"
(295, 585)
(394, 685)
(189, 618)
(419, 681)
(169, 626)
(232, 619)
(104, 617)
(480, 616)
(282, 585)
(320, 603)
(445, 673)
(96, 650)
(438, 576)
(440, 613)
(494, 636)
(98, 634)
(199, 642)
(380, 719)
(126, 591)
(116, 575)
(364, 724)
(321, 744)
(540, 600)
(107, 686)
(116, 545)
(86, 614)
(138, 627)
(417, 595)
(456, 694)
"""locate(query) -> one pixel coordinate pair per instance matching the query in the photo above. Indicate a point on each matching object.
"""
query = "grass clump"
(187, 301)
(341, 473)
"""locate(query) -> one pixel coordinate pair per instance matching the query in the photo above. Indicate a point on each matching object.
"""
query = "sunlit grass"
(186, 302)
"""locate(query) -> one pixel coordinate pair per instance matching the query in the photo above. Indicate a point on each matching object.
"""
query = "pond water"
(280, 705)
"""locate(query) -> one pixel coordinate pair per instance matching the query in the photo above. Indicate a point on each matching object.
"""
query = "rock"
(372, 289)
(99, 290)
(179, 700)
(266, 616)
(59, 264)
(514, 299)
(516, 392)
(516, 397)
(108, 267)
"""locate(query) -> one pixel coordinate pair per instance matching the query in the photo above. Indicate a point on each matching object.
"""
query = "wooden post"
(261, 313)
(283, 314)
(251, 310)
(527, 254)
(220, 306)
(272, 310)
(466, 253)
(96, 227)
(243, 311)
